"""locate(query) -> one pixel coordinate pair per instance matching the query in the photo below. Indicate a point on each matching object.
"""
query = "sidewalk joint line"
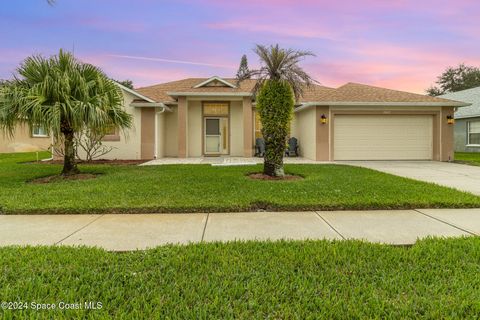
(205, 227)
(71, 234)
(318, 214)
(446, 222)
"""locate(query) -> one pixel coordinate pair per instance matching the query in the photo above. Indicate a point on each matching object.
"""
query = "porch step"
(236, 162)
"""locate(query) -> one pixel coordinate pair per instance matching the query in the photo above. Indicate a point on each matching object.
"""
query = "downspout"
(155, 154)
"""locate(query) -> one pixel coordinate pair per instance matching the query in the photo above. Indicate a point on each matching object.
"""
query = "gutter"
(467, 117)
(381, 104)
(210, 94)
(150, 105)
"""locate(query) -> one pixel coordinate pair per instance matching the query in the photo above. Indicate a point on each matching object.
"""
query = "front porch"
(226, 161)
(214, 126)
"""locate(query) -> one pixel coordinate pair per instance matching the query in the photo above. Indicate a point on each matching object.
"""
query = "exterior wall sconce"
(450, 120)
(323, 119)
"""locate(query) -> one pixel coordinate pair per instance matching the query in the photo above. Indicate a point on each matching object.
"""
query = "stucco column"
(247, 127)
(322, 132)
(182, 127)
(446, 142)
(147, 133)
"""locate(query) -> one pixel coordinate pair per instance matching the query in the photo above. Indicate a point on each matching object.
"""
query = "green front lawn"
(434, 279)
(193, 188)
(472, 158)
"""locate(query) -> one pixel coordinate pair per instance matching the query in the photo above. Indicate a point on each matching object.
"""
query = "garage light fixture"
(450, 120)
(323, 119)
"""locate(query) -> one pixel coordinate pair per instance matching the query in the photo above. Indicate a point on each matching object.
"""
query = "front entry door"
(216, 136)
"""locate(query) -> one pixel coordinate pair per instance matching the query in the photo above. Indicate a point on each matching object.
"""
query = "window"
(215, 109)
(111, 134)
(258, 126)
(212, 127)
(473, 132)
(39, 132)
(111, 131)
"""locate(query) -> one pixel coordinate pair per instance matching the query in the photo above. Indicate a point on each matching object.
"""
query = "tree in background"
(126, 83)
(64, 96)
(243, 71)
(456, 79)
(280, 80)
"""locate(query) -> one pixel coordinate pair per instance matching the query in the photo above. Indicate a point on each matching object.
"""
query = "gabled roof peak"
(134, 92)
(215, 79)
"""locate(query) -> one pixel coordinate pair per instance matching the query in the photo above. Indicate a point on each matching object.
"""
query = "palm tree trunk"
(273, 161)
(69, 164)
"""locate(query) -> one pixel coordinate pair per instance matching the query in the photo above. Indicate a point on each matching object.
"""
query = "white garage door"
(383, 137)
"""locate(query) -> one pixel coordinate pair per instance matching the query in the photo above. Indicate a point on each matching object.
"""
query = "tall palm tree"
(280, 80)
(64, 96)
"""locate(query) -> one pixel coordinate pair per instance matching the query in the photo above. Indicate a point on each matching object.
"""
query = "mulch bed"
(261, 176)
(58, 178)
(96, 162)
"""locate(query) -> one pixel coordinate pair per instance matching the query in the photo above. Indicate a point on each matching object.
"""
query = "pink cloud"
(412, 78)
(272, 28)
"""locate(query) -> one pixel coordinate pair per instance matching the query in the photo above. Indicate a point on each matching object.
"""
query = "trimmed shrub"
(275, 102)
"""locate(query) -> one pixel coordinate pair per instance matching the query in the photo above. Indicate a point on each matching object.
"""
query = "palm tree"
(280, 80)
(64, 96)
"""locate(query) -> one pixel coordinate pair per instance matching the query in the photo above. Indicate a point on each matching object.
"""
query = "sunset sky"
(399, 44)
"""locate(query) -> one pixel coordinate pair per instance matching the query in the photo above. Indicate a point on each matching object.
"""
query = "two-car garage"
(382, 137)
(361, 122)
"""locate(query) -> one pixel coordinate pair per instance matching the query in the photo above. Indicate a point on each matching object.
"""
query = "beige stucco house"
(25, 140)
(200, 117)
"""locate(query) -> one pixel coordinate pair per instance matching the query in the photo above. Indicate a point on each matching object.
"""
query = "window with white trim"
(473, 133)
(39, 132)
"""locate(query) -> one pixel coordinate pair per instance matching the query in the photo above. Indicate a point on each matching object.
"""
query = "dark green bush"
(275, 102)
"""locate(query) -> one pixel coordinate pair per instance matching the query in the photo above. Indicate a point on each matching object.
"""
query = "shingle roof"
(159, 92)
(469, 95)
(355, 92)
(350, 92)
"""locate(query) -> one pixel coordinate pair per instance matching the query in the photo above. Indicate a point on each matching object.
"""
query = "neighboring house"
(200, 117)
(25, 141)
(467, 120)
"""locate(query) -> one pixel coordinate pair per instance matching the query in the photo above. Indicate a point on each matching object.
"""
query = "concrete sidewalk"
(141, 231)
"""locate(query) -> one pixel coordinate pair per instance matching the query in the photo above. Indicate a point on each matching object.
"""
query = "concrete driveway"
(459, 176)
(142, 231)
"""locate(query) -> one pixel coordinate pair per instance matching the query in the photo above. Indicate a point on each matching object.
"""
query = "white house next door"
(216, 135)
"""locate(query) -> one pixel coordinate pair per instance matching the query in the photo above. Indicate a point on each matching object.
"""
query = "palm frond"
(281, 64)
(61, 91)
